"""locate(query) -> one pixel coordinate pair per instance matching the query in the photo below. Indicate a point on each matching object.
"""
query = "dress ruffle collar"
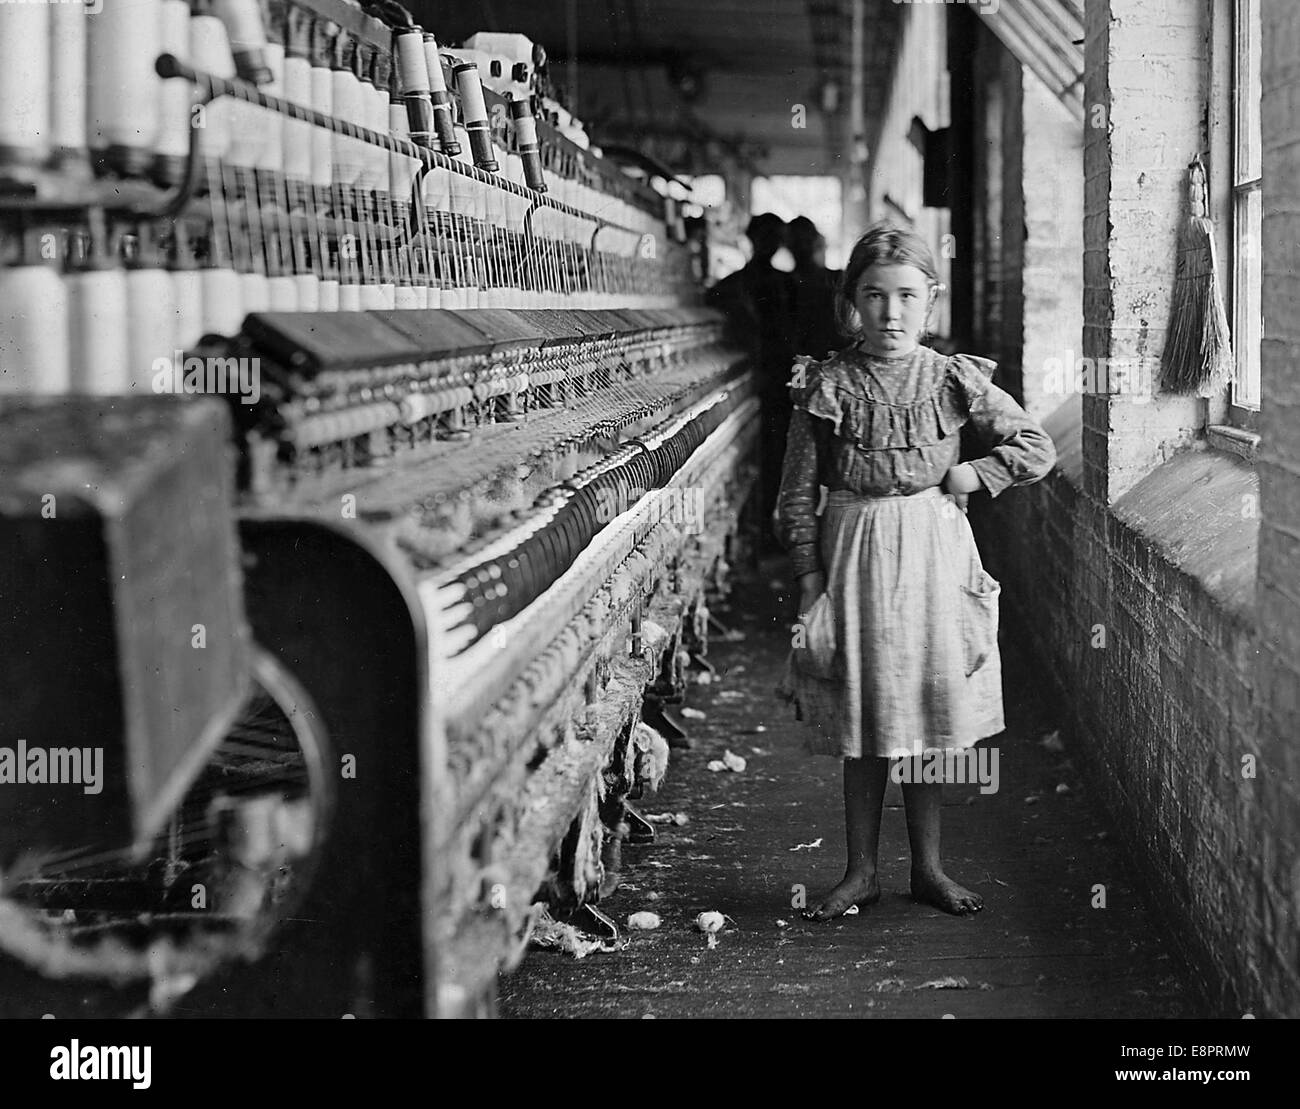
(837, 391)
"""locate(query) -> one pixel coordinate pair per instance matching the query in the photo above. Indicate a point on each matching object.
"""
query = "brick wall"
(1278, 670)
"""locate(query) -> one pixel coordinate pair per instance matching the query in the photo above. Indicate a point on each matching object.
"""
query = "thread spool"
(187, 295)
(123, 95)
(25, 45)
(173, 147)
(187, 291)
(68, 75)
(401, 167)
(367, 179)
(474, 113)
(526, 142)
(401, 180)
(97, 314)
(379, 105)
(440, 99)
(273, 197)
(272, 160)
(346, 93)
(377, 297)
(413, 85)
(34, 347)
(282, 294)
(308, 287)
(297, 134)
(223, 300)
(247, 36)
(375, 118)
(246, 127)
(476, 190)
(151, 314)
(255, 292)
(211, 53)
(410, 296)
(97, 322)
(322, 100)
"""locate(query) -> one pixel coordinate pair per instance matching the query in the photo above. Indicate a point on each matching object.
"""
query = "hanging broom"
(1197, 358)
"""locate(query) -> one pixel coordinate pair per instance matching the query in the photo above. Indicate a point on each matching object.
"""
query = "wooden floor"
(1035, 849)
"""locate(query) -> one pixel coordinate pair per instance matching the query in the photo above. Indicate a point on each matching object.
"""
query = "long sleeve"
(1020, 451)
(796, 505)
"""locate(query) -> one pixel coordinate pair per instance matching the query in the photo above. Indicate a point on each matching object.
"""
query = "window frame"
(1230, 425)
(1244, 184)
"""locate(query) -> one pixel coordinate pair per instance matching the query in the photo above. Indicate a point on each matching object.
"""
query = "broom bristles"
(1197, 357)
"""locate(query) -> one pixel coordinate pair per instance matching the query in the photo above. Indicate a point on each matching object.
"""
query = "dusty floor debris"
(1038, 950)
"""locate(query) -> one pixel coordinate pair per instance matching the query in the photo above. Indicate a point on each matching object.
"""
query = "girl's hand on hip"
(961, 479)
(960, 482)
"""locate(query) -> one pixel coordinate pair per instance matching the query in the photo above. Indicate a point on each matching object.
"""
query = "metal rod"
(168, 65)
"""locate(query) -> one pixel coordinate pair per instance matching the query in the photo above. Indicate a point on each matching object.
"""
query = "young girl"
(901, 618)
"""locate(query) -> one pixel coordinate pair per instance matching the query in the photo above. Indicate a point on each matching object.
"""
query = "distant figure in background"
(759, 302)
(816, 331)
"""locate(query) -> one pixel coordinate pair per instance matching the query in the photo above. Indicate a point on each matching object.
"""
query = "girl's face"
(893, 301)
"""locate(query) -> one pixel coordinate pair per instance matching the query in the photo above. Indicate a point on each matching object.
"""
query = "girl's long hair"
(882, 243)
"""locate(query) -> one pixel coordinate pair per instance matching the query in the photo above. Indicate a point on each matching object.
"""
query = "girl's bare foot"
(855, 889)
(934, 887)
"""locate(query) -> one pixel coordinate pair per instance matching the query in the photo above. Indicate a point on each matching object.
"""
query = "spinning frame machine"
(364, 642)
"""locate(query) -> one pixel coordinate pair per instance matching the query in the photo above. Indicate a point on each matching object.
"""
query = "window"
(818, 198)
(1247, 207)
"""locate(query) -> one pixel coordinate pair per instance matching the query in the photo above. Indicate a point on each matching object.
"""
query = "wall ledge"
(1235, 440)
(1200, 512)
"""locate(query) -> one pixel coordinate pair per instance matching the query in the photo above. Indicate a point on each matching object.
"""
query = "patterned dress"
(901, 653)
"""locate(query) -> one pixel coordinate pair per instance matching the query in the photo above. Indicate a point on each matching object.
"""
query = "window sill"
(1234, 440)
(1199, 511)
